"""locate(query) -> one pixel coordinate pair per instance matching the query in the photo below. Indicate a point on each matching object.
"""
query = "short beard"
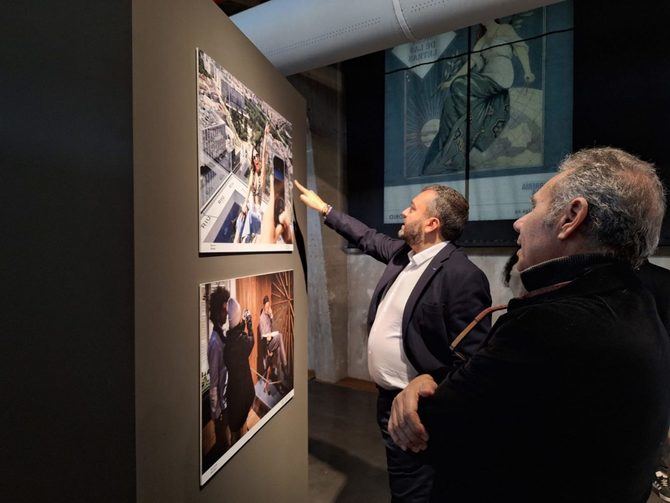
(410, 235)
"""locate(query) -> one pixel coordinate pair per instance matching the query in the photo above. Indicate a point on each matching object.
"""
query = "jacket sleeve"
(465, 295)
(503, 376)
(469, 297)
(245, 339)
(368, 240)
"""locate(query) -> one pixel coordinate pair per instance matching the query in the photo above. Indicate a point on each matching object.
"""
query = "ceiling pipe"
(299, 35)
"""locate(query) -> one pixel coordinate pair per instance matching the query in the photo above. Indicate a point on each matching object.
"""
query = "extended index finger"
(300, 187)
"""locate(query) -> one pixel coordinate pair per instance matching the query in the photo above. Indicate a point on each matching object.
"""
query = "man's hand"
(311, 198)
(405, 425)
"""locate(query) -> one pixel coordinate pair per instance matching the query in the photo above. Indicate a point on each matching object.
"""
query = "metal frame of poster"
(246, 361)
(245, 166)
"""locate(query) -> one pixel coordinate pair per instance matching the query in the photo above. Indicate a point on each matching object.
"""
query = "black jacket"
(240, 391)
(447, 297)
(566, 400)
(657, 280)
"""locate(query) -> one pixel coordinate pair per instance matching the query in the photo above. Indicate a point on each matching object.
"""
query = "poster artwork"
(244, 166)
(246, 361)
(486, 110)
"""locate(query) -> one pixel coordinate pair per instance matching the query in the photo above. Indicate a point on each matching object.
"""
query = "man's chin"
(520, 262)
(522, 265)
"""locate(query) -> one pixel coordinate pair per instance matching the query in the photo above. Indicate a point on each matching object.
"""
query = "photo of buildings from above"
(246, 361)
(245, 167)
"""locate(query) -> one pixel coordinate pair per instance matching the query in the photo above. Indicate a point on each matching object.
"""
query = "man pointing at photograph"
(427, 294)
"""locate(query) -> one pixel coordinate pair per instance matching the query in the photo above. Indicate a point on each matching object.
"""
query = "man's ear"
(573, 217)
(432, 224)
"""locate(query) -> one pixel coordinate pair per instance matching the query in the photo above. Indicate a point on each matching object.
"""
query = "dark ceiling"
(231, 7)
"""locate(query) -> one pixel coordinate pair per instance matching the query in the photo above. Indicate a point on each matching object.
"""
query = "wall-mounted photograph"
(246, 361)
(245, 166)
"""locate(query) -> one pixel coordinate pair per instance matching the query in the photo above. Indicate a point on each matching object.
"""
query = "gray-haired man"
(572, 383)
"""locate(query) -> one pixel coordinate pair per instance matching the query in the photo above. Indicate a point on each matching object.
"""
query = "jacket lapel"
(432, 269)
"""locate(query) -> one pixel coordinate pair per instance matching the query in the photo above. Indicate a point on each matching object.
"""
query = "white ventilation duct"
(298, 35)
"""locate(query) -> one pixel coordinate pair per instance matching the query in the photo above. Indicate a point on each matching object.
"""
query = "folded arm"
(498, 374)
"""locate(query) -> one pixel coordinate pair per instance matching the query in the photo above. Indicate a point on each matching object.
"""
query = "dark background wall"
(621, 98)
(66, 350)
(622, 70)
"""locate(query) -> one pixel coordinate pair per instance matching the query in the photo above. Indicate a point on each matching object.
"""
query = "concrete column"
(327, 279)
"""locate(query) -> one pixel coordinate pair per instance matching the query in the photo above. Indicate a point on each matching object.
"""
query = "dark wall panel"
(622, 70)
(67, 275)
(363, 80)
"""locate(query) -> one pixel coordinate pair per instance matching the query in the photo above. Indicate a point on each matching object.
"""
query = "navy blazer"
(447, 297)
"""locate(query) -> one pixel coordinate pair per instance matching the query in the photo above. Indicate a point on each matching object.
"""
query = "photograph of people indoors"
(245, 162)
(246, 360)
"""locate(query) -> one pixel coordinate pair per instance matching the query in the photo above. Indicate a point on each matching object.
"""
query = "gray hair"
(625, 197)
(450, 208)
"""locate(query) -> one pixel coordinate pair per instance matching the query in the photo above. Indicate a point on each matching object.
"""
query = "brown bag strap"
(474, 322)
(499, 307)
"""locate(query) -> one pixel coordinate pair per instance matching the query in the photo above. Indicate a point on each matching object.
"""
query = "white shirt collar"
(417, 259)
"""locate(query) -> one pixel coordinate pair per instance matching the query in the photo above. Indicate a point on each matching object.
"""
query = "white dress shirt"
(387, 362)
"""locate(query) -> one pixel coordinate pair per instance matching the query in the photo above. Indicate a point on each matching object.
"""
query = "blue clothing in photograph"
(218, 374)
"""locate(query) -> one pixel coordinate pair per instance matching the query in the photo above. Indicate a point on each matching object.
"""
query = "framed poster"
(245, 166)
(486, 110)
(246, 361)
